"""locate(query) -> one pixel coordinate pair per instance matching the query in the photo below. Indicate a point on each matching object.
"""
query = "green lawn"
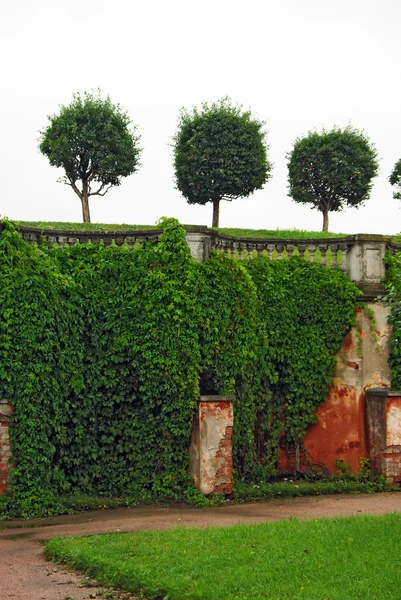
(298, 234)
(85, 226)
(329, 559)
(255, 233)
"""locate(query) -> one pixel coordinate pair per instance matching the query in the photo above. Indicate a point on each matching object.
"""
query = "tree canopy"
(332, 169)
(395, 180)
(219, 154)
(95, 143)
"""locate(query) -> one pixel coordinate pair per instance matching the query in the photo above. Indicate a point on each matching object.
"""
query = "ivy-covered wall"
(104, 352)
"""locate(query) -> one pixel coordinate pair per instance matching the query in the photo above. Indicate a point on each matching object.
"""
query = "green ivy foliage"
(393, 298)
(306, 311)
(40, 366)
(269, 332)
(104, 352)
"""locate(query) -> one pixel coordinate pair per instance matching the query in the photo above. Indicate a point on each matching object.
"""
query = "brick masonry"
(5, 449)
(211, 462)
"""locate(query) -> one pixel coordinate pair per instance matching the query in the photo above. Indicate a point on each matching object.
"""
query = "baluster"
(301, 250)
(270, 249)
(279, 250)
(334, 250)
(323, 252)
(343, 248)
(312, 251)
(260, 248)
(290, 250)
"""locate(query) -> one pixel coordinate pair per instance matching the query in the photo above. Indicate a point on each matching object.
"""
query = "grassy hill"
(114, 227)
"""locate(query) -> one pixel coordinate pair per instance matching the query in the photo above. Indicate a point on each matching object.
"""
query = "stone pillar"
(383, 411)
(6, 410)
(199, 242)
(211, 463)
(365, 263)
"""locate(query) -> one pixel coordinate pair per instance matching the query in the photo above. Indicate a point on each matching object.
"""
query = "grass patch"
(242, 492)
(251, 492)
(85, 226)
(333, 559)
(298, 234)
(111, 227)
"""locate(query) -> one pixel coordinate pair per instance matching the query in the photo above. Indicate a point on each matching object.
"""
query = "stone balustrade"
(360, 256)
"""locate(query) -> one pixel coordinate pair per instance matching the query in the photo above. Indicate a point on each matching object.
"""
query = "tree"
(332, 169)
(94, 142)
(219, 154)
(395, 179)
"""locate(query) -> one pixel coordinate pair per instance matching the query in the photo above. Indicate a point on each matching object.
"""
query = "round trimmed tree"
(220, 153)
(95, 143)
(331, 170)
(395, 180)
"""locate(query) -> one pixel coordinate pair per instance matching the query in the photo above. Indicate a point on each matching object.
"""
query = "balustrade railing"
(62, 238)
(360, 256)
(327, 252)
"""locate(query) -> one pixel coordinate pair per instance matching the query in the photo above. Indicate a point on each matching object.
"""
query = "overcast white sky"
(298, 64)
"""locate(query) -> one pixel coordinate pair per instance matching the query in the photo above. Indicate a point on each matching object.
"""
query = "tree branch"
(99, 191)
(67, 181)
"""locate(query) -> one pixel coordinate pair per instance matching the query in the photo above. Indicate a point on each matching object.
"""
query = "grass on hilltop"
(62, 226)
(298, 234)
(329, 559)
(256, 233)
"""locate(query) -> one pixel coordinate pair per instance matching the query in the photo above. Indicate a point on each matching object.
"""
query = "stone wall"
(340, 432)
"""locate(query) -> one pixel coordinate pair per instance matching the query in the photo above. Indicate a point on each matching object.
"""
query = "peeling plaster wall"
(5, 448)
(211, 463)
(340, 432)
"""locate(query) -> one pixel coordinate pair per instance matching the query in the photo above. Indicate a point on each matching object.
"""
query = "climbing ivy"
(40, 366)
(393, 298)
(306, 311)
(104, 352)
(270, 331)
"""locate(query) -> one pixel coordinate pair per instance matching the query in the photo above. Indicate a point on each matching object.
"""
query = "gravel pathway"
(26, 575)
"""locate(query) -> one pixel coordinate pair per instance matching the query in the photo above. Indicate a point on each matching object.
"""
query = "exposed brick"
(211, 447)
(5, 451)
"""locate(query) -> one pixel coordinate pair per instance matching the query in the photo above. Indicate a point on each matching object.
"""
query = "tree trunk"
(216, 212)
(325, 219)
(85, 203)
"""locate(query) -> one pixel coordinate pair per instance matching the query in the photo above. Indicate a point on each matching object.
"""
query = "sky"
(296, 64)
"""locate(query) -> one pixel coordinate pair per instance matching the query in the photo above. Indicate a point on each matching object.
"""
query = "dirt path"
(25, 575)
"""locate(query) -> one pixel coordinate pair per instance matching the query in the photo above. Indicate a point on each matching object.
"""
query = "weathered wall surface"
(361, 364)
(211, 463)
(5, 449)
(384, 431)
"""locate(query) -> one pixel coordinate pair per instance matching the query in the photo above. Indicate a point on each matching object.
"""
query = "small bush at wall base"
(251, 492)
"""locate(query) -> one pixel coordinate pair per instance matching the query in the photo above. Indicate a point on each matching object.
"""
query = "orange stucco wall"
(340, 432)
